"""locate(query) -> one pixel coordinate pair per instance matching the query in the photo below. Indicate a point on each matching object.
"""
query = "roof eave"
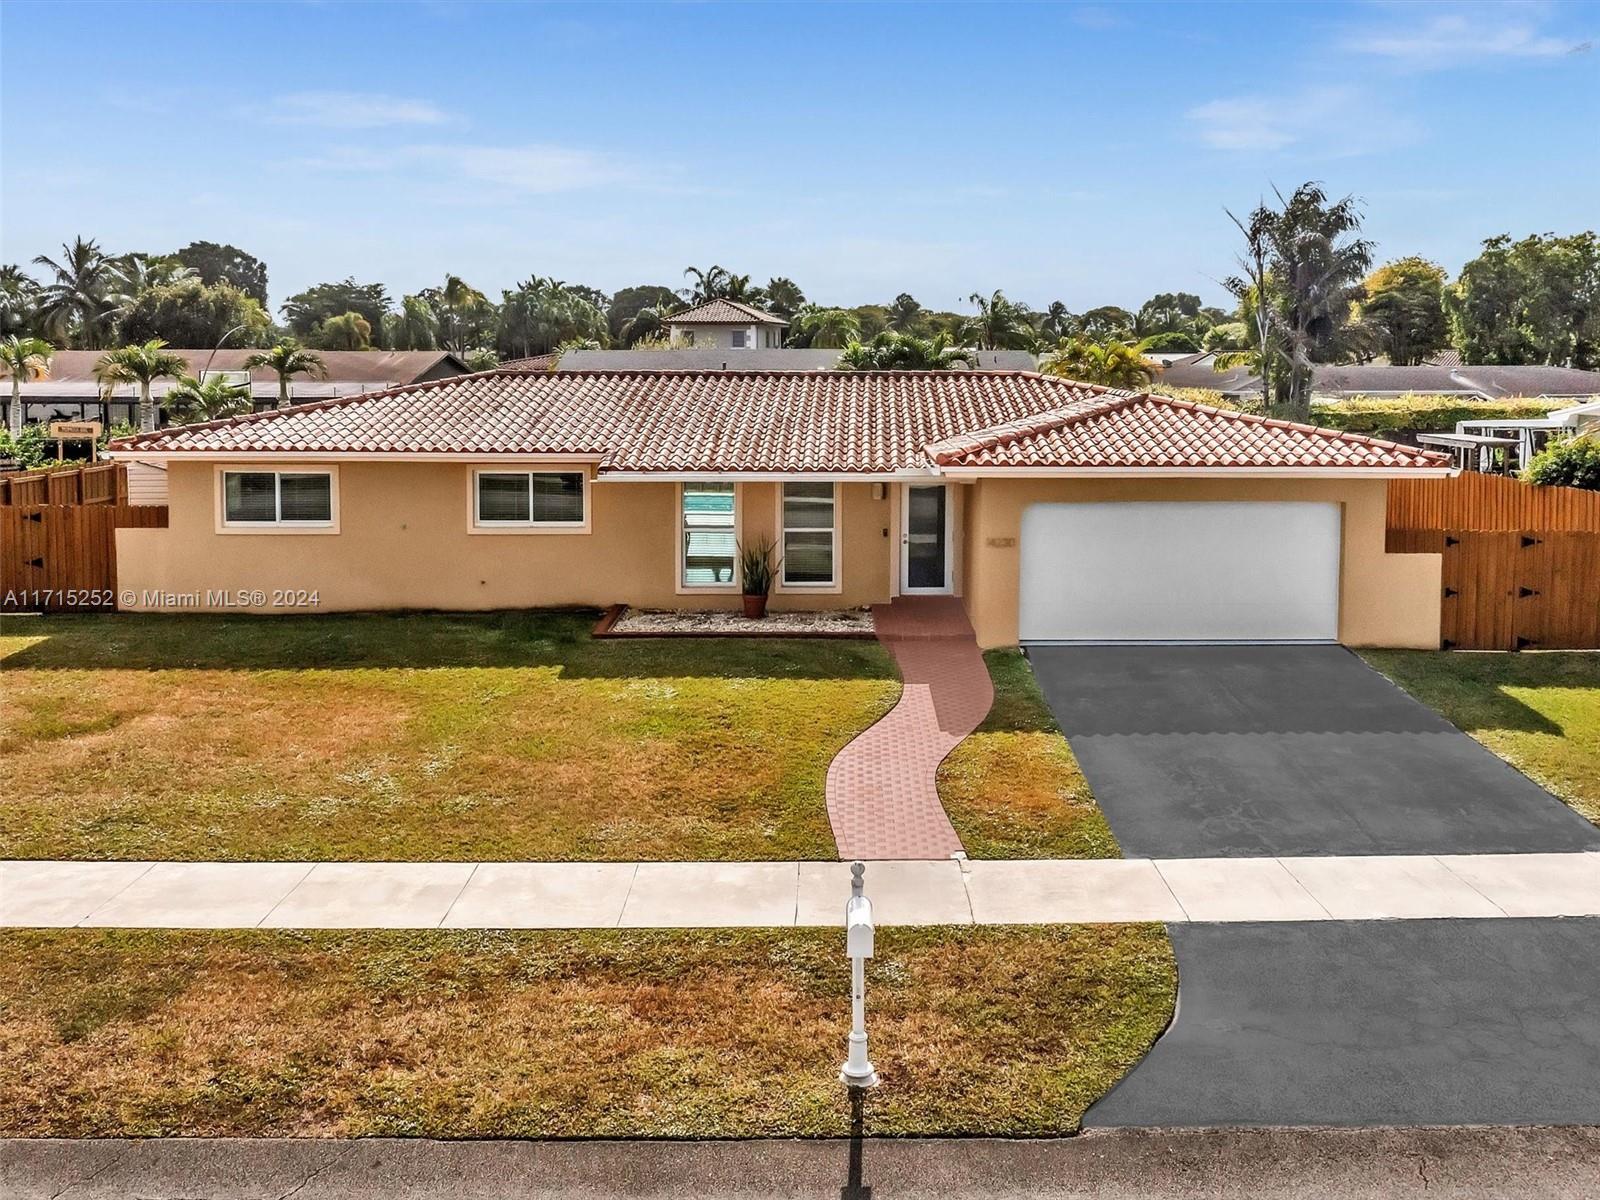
(1375, 472)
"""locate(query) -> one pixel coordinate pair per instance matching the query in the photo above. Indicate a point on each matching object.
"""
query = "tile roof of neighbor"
(389, 367)
(724, 312)
(781, 421)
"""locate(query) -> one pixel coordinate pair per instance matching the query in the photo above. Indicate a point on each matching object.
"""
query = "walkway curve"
(883, 795)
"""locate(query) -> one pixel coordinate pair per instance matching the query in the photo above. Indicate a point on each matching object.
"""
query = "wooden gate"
(1514, 589)
(58, 558)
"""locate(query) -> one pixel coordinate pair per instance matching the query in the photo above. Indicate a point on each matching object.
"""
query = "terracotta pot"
(755, 607)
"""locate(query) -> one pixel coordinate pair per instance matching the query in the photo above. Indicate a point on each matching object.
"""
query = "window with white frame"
(707, 536)
(529, 499)
(810, 526)
(283, 498)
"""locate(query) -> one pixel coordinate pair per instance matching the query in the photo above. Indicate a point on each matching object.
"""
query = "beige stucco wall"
(404, 541)
(1384, 599)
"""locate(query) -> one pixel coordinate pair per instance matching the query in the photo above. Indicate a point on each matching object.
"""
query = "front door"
(925, 540)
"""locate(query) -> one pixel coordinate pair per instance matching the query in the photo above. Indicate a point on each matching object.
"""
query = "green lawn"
(1538, 711)
(1013, 789)
(497, 736)
(557, 1034)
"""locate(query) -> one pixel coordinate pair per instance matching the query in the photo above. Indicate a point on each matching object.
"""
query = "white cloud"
(349, 110)
(1331, 122)
(1471, 36)
(505, 171)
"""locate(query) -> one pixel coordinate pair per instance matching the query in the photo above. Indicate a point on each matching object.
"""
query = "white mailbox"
(858, 927)
(857, 1071)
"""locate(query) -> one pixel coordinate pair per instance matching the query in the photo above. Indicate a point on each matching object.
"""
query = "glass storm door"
(926, 539)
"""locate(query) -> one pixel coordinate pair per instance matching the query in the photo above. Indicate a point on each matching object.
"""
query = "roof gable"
(724, 312)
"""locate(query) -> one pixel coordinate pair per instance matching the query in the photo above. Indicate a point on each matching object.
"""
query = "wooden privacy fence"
(1521, 563)
(1475, 501)
(103, 484)
(59, 558)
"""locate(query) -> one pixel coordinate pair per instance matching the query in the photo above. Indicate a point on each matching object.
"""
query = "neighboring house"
(1054, 510)
(1336, 382)
(71, 392)
(726, 325)
(1504, 445)
(754, 360)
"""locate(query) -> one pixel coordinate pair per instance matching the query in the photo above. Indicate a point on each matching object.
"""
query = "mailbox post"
(858, 1072)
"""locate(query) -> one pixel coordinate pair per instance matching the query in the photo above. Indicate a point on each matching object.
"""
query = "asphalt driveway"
(1489, 1022)
(1229, 751)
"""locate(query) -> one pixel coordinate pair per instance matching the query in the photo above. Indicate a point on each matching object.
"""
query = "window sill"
(522, 529)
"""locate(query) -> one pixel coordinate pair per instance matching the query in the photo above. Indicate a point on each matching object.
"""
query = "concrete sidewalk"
(782, 894)
(1455, 1164)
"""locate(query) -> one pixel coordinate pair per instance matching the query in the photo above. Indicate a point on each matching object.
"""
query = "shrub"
(1569, 462)
(1407, 414)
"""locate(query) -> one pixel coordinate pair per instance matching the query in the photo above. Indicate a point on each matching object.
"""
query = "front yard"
(419, 737)
(1538, 711)
(553, 1034)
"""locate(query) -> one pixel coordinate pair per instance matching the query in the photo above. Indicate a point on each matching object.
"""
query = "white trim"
(948, 587)
(281, 528)
(475, 525)
(763, 476)
(834, 585)
(706, 589)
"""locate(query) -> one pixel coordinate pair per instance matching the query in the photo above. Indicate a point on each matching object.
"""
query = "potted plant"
(756, 569)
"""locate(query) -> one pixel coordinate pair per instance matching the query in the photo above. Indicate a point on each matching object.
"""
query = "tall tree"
(1311, 262)
(709, 284)
(462, 311)
(190, 314)
(906, 315)
(347, 331)
(627, 304)
(1105, 323)
(1532, 301)
(413, 327)
(1402, 310)
(784, 297)
(542, 314)
(218, 262)
(75, 306)
(286, 360)
(140, 364)
(23, 358)
(1168, 312)
(1058, 321)
(999, 324)
(308, 309)
(19, 302)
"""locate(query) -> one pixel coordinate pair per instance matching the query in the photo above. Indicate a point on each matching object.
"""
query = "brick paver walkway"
(882, 797)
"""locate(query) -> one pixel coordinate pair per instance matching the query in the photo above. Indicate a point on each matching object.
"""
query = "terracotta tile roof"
(724, 312)
(1158, 431)
(784, 421)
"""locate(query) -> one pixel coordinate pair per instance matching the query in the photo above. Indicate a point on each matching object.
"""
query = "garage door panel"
(1180, 571)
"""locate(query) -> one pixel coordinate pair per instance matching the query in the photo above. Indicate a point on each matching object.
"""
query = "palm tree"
(646, 323)
(19, 301)
(1111, 364)
(784, 296)
(458, 301)
(23, 358)
(288, 358)
(142, 364)
(77, 303)
(217, 397)
(905, 314)
(710, 284)
(351, 331)
(999, 325)
(825, 328)
(1058, 322)
(414, 327)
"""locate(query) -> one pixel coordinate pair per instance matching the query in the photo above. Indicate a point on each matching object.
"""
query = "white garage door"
(1182, 572)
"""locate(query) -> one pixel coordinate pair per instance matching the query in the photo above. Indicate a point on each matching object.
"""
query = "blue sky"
(1080, 152)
